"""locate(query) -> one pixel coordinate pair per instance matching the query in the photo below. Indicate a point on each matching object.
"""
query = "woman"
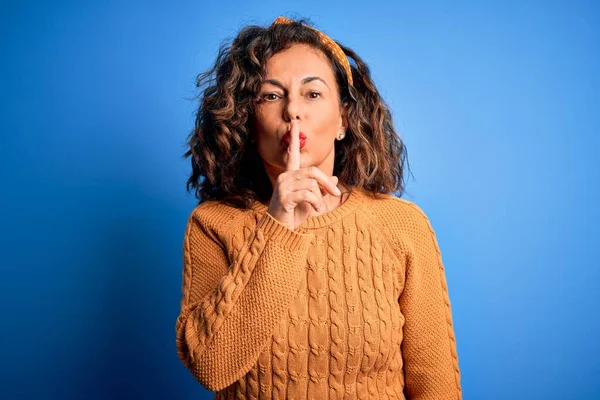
(303, 276)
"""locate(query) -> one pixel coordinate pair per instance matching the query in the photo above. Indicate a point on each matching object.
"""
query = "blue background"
(497, 102)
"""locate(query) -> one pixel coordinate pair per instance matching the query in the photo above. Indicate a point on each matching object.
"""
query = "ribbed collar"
(354, 199)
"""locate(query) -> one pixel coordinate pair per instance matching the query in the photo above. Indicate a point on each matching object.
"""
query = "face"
(300, 83)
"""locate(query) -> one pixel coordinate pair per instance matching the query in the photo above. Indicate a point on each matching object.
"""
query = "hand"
(298, 190)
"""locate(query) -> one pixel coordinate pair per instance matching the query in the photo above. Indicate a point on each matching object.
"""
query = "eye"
(311, 95)
(269, 97)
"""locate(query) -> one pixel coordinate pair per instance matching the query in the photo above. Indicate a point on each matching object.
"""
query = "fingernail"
(337, 190)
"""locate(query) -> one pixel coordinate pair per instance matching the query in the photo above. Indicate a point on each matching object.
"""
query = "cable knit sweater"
(352, 304)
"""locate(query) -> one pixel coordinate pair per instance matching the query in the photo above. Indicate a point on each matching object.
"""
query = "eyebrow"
(304, 81)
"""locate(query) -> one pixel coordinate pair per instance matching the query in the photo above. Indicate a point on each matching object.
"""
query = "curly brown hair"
(225, 162)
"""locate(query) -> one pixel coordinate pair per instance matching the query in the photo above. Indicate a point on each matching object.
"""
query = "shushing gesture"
(299, 191)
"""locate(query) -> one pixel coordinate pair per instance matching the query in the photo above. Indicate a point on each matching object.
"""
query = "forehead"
(299, 61)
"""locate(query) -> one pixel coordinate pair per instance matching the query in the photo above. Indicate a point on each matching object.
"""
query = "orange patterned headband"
(336, 50)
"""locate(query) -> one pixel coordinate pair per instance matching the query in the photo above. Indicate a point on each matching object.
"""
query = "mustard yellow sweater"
(352, 304)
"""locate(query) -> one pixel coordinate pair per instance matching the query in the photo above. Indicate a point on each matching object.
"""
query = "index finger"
(293, 161)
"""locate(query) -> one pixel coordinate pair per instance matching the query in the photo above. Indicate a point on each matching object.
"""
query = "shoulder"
(214, 213)
(404, 220)
(220, 221)
(389, 208)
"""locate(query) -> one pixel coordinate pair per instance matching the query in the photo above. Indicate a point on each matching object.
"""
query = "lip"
(286, 139)
(287, 143)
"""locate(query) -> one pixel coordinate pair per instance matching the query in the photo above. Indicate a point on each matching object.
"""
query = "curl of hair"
(225, 163)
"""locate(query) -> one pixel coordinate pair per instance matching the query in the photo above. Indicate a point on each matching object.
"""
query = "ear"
(344, 116)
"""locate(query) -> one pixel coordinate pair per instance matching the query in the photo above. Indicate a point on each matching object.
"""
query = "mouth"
(286, 139)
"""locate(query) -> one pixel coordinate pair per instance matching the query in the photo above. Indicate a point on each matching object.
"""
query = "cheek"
(328, 122)
(265, 130)
(259, 117)
(265, 118)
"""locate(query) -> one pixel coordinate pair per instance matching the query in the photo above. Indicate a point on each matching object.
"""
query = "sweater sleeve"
(429, 347)
(229, 309)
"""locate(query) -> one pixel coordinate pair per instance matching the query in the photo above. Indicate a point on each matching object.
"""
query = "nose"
(292, 109)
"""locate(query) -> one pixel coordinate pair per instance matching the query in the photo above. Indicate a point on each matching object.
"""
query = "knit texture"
(352, 304)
